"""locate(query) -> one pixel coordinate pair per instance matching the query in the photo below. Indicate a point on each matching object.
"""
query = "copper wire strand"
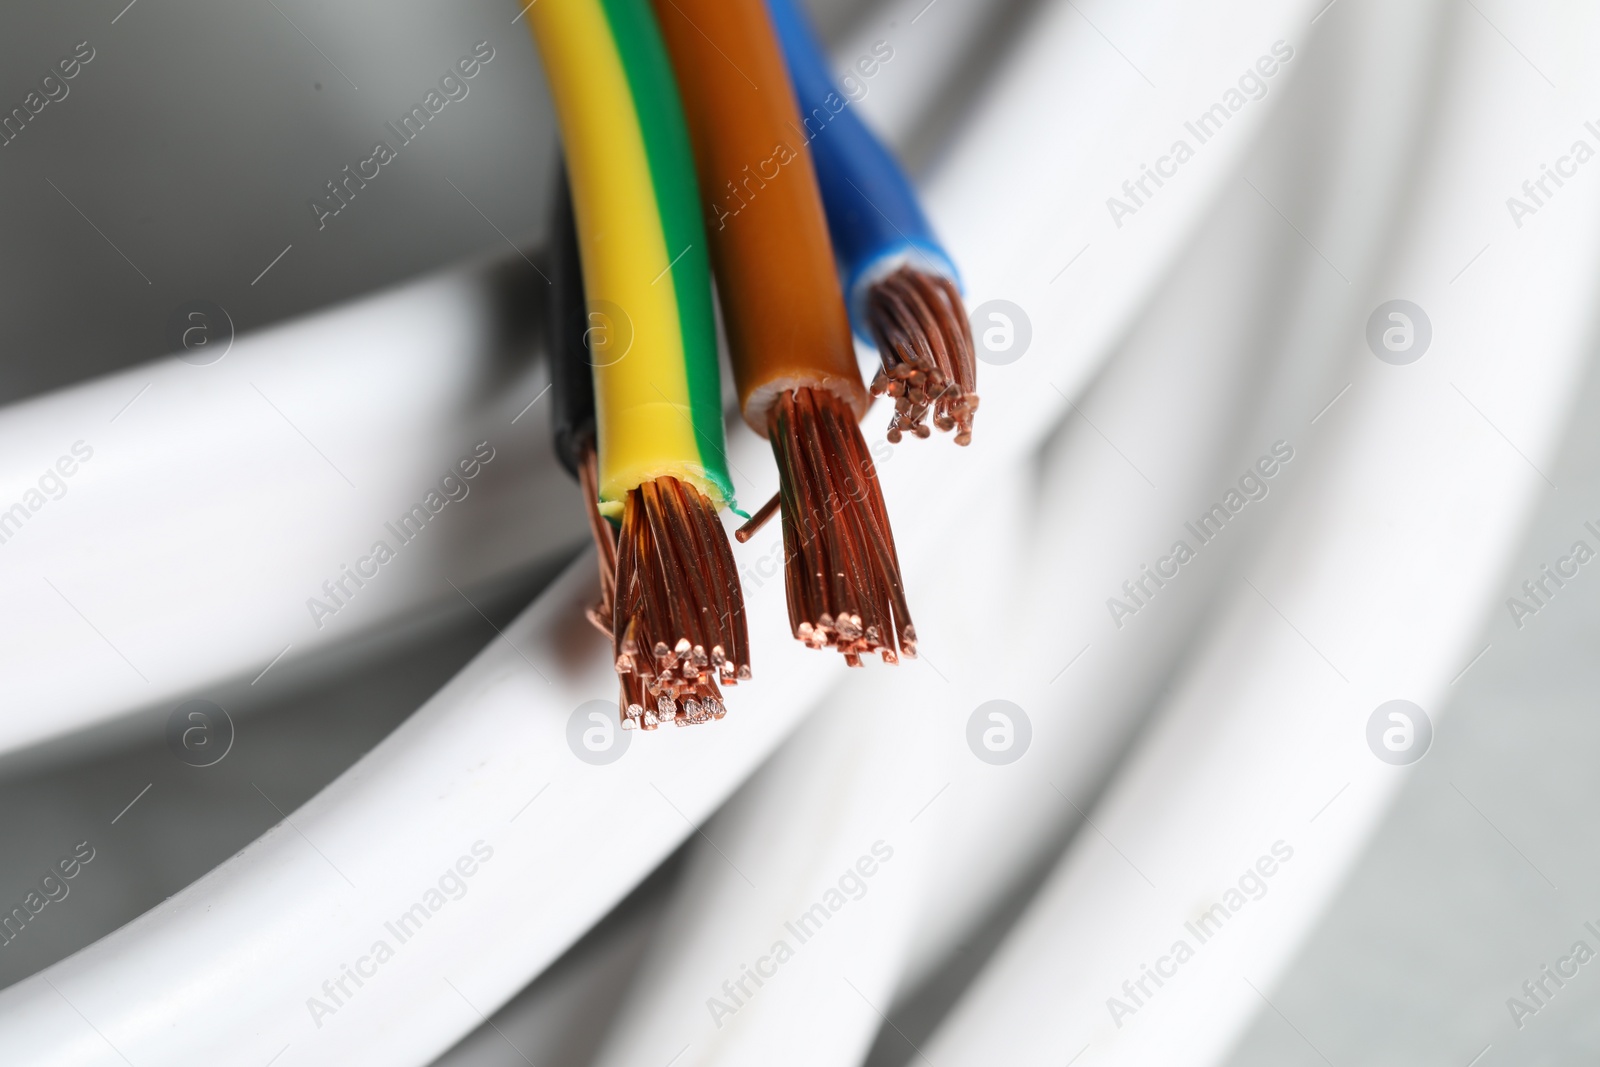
(753, 524)
(859, 549)
(824, 565)
(644, 611)
(679, 612)
(842, 574)
(925, 344)
(707, 654)
(624, 623)
(668, 571)
(857, 586)
(879, 537)
(605, 541)
(702, 621)
(732, 661)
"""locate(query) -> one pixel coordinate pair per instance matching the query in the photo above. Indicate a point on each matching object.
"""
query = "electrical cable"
(788, 332)
(677, 622)
(901, 286)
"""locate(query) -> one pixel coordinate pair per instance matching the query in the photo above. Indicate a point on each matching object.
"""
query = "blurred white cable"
(1245, 806)
(926, 43)
(208, 505)
(1241, 350)
(235, 959)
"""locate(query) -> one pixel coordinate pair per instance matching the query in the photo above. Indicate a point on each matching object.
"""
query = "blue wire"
(873, 214)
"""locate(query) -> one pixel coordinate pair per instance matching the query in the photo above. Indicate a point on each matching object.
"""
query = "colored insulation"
(781, 303)
(874, 217)
(645, 269)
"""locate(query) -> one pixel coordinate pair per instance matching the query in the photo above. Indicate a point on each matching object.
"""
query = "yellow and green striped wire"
(646, 274)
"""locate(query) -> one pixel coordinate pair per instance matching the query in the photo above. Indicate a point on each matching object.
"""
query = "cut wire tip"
(925, 343)
(674, 564)
(753, 524)
(678, 626)
(842, 576)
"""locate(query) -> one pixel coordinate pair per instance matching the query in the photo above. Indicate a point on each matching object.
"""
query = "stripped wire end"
(678, 620)
(925, 343)
(841, 573)
(605, 541)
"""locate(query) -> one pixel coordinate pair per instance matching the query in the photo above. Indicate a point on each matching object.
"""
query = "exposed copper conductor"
(926, 346)
(754, 523)
(678, 626)
(841, 572)
(605, 541)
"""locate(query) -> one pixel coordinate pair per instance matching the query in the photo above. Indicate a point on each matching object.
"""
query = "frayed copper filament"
(754, 523)
(678, 621)
(926, 346)
(840, 569)
(605, 541)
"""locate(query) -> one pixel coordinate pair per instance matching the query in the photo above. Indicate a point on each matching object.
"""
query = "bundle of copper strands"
(925, 344)
(678, 626)
(841, 573)
(669, 602)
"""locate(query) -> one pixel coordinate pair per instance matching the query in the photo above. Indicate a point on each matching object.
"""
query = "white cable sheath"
(1240, 350)
(1246, 804)
(216, 500)
(233, 960)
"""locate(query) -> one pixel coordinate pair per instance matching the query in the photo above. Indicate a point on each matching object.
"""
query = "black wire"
(571, 374)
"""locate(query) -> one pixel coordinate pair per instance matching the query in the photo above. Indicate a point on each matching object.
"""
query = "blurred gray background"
(198, 134)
